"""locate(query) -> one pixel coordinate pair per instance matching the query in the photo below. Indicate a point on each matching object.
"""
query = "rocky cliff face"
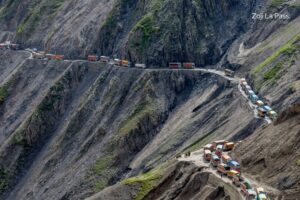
(155, 32)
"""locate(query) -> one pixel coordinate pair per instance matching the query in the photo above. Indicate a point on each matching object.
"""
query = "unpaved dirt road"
(197, 159)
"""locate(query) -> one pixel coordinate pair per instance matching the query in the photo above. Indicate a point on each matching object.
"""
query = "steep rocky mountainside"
(76, 129)
(177, 181)
(200, 31)
(69, 129)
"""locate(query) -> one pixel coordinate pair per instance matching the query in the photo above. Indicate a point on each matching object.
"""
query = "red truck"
(174, 65)
(57, 57)
(92, 58)
(188, 65)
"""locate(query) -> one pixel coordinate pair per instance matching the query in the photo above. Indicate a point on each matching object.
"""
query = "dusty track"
(197, 159)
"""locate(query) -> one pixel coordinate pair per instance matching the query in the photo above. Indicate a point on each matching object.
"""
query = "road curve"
(197, 158)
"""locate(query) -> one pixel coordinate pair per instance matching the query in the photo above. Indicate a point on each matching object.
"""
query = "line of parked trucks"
(115, 61)
(105, 59)
(216, 154)
(263, 109)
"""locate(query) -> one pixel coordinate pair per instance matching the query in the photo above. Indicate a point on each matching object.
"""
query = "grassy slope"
(273, 67)
(146, 182)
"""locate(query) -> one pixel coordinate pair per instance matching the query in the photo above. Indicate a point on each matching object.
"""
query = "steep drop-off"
(77, 127)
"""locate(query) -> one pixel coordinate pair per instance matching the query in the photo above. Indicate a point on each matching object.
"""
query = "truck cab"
(174, 65)
(207, 155)
(223, 168)
(261, 194)
(215, 160)
(234, 165)
(228, 146)
(188, 65)
(229, 73)
(237, 180)
(261, 112)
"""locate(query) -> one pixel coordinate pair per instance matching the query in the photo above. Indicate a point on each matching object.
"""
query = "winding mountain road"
(197, 158)
(212, 71)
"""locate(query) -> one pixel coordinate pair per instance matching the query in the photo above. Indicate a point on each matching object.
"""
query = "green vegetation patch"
(298, 162)
(4, 92)
(101, 172)
(274, 71)
(155, 5)
(101, 164)
(45, 8)
(147, 182)
(276, 3)
(288, 48)
(146, 25)
(4, 179)
(143, 110)
(147, 28)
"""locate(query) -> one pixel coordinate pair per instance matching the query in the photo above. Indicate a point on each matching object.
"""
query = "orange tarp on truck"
(226, 158)
(125, 63)
(188, 65)
(57, 57)
(228, 146)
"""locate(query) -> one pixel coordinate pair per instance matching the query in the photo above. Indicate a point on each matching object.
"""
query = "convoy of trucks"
(226, 166)
(42, 55)
(263, 110)
(178, 65)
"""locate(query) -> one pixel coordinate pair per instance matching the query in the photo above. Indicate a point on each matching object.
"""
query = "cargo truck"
(138, 65)
(92, 58)
(218, 142)
(117, 62)
(225, 158)
(234, 165)
(57, 57)
(188, 65)
(228, 146)
(223, 168)
(174, 65)
(125, 63)
(229, 73)
(215, 160)
(104, 59)
(207, 155)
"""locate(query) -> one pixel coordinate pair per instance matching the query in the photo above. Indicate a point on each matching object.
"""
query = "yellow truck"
(228, 146)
